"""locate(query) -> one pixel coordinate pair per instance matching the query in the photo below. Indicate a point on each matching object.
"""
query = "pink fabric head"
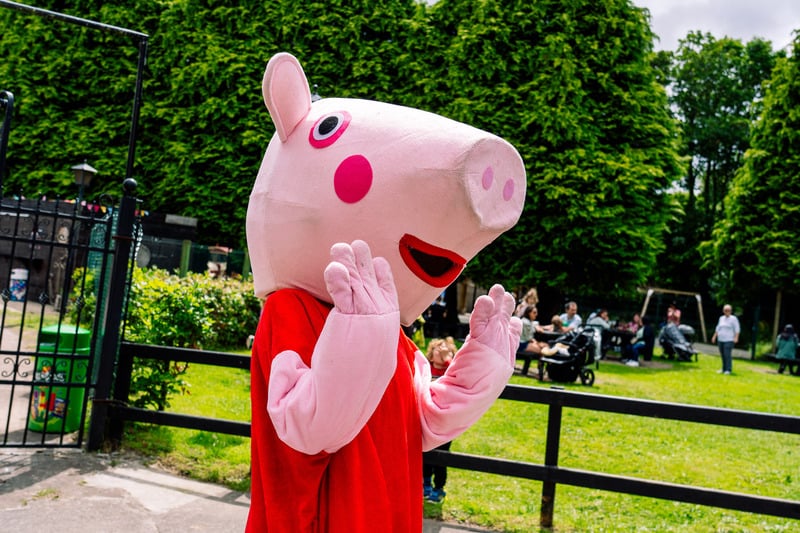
(425, 192)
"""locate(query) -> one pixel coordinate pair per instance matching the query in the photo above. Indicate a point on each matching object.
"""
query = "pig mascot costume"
(361, 214)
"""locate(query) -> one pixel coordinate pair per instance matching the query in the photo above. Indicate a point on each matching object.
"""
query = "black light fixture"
(83, 177)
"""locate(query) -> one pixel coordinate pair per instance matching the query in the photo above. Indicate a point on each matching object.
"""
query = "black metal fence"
(549, 473)
(54, 264)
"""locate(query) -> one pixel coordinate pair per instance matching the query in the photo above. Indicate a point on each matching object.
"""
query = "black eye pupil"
(328, 125)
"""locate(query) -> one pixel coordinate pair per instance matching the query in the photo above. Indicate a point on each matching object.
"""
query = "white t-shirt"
(574, 323)
(727, 328)
(528, 329)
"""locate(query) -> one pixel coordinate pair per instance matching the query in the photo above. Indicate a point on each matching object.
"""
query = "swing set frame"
(697, 297)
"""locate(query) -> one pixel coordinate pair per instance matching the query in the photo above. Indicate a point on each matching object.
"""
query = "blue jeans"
(636, 349)
(726, 351)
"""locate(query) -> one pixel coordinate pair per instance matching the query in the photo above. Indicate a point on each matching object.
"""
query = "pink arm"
(477, 375)
(322, 408)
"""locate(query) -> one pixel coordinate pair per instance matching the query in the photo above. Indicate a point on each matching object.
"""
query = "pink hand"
(358, 283)
(491, 322)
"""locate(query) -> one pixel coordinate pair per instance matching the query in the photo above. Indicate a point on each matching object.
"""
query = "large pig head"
(425, 192)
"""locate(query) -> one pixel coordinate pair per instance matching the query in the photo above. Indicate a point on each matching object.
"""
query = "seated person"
(673, 314)
(531, 298)
(529, 326)
(555, 325)
(635, 324)
(643, 343)
(787, 347)
(600, 320)
(570, 317)
(602, 326)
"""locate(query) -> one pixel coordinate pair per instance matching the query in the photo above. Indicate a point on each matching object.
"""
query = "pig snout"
(496, 183)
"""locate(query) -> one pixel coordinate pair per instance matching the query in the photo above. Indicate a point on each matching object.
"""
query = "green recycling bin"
(55, 406)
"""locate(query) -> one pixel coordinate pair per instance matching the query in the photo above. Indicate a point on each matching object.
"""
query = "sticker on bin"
(42, 406)
(47, 374)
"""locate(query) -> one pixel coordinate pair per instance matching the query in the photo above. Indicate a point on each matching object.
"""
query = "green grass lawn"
(214, 392)
(753, 462)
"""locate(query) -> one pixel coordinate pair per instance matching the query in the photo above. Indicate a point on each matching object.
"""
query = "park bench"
(792, 364)
(526, 358)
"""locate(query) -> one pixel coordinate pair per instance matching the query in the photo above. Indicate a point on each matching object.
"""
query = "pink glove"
(492, 325)
(476, 377)
(324, 407)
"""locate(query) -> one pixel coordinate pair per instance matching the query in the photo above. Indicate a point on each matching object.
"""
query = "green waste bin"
(55, 406)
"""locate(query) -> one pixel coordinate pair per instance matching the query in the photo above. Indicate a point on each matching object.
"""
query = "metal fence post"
(550, 461)
(101, 423)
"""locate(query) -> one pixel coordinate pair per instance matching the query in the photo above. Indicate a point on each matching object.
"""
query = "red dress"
(371, 484)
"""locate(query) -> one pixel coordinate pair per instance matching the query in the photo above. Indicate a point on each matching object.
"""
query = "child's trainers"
(427, 490)
(436, 496)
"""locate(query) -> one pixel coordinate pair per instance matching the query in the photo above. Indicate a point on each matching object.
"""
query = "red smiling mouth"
(433, 265)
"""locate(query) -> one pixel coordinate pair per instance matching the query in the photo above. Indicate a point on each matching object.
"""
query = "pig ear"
(286, 93)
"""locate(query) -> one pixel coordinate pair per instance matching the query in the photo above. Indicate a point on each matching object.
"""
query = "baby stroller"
(674, 343)
(569, 357)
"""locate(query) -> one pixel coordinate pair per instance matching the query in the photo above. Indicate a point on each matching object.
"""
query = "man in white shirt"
(570, 318)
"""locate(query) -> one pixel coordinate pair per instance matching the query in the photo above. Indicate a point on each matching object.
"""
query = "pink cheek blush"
(353, 179)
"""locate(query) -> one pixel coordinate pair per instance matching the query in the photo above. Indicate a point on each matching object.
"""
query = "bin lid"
(66, 335)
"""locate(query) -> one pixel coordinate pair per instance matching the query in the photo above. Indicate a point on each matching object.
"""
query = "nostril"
(488, 178)
(508, 190)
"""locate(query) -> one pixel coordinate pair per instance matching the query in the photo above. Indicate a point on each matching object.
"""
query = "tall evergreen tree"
(570, 84)
(73, 87)
(755, 245)
(716, 89)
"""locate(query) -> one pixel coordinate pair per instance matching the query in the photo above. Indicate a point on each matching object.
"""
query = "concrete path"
(71, 491)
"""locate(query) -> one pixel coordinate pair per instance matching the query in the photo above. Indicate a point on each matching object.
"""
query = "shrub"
(82, 302)
(193, 311)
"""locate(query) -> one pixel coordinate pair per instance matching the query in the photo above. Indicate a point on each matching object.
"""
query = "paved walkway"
(711, 349)
(71, 491)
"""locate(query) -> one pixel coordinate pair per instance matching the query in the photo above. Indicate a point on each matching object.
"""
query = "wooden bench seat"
(792, 364)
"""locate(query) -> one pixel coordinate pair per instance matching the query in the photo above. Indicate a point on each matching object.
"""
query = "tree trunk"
(776, 322)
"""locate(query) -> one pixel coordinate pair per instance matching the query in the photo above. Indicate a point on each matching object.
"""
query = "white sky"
(773, 20)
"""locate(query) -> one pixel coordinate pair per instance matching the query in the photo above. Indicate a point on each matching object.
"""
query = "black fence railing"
(121, 411)
(549, 473)
(53, 261)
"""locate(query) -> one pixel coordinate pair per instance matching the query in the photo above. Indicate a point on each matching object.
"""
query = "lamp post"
(83, 177)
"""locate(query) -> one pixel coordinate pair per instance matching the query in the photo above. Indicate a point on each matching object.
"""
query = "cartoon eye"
(328, 128)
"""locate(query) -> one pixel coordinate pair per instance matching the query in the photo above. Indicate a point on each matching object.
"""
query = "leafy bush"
(82, 303)
(193, 311)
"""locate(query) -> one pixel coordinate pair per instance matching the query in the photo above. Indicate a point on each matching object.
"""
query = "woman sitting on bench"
(529, 327)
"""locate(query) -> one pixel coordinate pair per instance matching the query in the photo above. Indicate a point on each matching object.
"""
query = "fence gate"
(56, 260)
